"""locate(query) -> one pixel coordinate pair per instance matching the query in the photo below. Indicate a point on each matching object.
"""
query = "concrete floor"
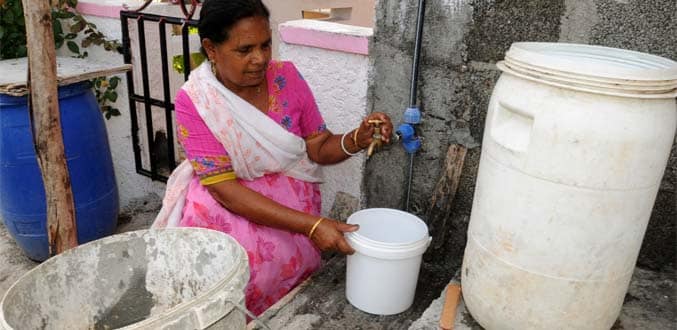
(320, 303)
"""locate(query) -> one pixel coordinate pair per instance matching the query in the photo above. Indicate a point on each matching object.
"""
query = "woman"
(253, 138)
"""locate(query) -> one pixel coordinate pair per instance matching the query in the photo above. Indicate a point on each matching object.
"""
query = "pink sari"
(268, 156)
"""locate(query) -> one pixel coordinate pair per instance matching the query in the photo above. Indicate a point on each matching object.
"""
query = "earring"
(213, 67)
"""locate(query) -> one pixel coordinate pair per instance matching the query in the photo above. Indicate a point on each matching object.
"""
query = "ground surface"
(320, 303)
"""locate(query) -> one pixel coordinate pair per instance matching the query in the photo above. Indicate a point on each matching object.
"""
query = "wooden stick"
(444, 193)
(450, 303)
(47, 135)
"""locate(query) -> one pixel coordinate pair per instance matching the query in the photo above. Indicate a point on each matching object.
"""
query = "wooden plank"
(68, 71)
(451, 300)
(47, 135)
(444, 193)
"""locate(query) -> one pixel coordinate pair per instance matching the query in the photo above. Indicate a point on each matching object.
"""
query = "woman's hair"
(217, 17)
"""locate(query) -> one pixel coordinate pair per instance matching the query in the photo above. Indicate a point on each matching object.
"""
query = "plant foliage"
(69, 26)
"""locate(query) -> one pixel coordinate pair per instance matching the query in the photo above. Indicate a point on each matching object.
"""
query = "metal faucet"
(376, 137)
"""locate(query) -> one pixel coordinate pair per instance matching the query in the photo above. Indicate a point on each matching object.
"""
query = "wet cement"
(134, 305)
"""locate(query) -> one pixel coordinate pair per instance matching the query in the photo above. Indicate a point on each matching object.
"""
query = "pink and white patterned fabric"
(266, 157)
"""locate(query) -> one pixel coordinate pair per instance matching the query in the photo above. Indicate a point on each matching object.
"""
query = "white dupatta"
(256, 144)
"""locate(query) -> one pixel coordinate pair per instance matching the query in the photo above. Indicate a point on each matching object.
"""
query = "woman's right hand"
(328, 236)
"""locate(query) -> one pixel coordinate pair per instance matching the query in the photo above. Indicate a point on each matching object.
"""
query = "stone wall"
(462, 41)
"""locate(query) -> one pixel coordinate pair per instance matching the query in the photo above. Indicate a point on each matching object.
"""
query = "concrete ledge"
(327, 35)
(106, 8)
(112, 8)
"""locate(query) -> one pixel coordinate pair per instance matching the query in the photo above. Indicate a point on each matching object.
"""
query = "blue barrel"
(22, 193)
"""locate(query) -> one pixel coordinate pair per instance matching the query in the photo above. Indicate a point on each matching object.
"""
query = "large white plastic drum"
(381, 276)
(575, 145)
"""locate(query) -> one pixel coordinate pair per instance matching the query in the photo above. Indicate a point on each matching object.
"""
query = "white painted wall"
(131, 186)
(339, 82)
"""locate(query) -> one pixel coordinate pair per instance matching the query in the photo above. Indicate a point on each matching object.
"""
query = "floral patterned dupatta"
(256, 144)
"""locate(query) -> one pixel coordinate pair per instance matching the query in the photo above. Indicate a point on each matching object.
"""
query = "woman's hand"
(328, 236)
(327, 148)
(366, 130)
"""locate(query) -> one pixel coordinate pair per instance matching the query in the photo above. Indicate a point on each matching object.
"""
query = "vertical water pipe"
(412, 115)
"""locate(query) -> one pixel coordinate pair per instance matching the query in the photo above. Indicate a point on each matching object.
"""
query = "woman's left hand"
(365, 131)
(329, 236)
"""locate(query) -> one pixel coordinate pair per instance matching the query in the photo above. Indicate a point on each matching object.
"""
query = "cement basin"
(179, 278)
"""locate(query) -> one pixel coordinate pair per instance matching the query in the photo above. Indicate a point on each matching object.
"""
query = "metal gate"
(158, 158)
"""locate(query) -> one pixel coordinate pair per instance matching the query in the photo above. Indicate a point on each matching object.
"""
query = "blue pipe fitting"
(412, 116)
(411, 145)
(407, 134)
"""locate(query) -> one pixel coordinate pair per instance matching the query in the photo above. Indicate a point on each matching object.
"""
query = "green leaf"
(8, 17)
(17, 6)
(77, 27)
(177, 63)
(21, 51)
(58, 29)
(72, 3)
(73, 47)
(97, 83)
(63, 14)
(115, 112)
(111, 95)
(108, 115)
(58, 41)
(56, 14)
(114, 82)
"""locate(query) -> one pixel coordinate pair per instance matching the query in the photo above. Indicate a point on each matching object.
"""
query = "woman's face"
(242, 59)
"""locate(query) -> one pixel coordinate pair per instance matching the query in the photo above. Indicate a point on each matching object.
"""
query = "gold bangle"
(355, 137)
(312, 230)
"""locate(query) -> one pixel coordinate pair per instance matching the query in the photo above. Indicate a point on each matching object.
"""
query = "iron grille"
(161, 163)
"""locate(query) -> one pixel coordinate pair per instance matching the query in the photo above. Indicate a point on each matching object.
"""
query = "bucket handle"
(511, 127)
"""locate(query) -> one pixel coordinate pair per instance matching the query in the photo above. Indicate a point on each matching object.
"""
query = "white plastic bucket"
(179, 278)
(382, 274)
(576, 141)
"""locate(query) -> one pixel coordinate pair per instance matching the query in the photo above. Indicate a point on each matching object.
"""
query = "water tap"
(376, 137)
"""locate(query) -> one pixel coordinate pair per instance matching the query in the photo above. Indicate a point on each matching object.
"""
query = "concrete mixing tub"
(183, 278)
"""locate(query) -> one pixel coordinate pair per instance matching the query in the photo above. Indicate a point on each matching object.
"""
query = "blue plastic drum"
(22, 194)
